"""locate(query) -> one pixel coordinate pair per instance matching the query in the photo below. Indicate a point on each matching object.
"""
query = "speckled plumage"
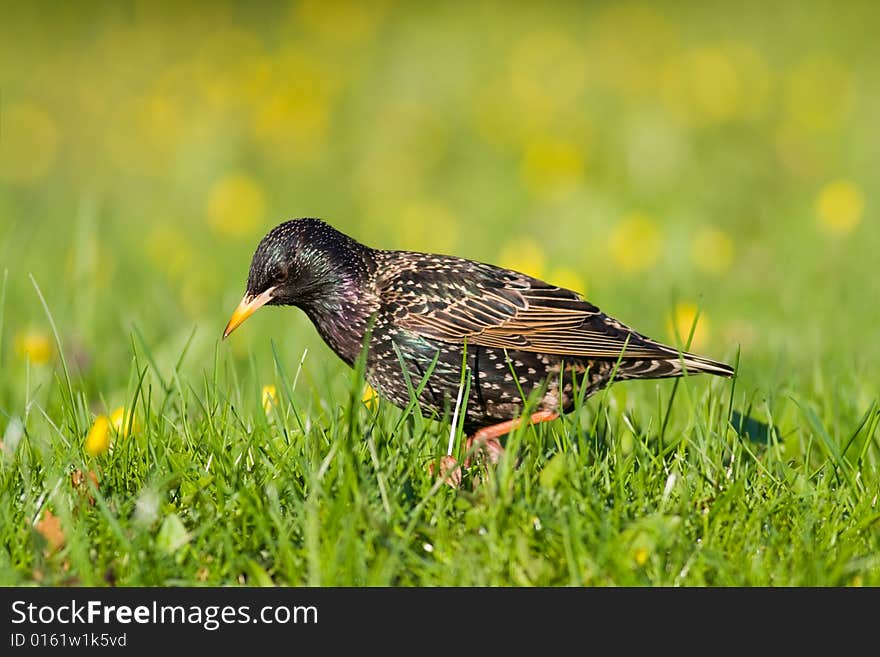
(520, 334)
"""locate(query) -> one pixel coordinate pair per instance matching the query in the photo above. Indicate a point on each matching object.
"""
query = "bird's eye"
(279, 275)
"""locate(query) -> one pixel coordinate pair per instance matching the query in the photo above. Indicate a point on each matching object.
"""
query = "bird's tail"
(698, 364)
(676, 364)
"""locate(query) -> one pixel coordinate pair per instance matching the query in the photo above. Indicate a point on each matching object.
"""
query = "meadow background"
(664, 159)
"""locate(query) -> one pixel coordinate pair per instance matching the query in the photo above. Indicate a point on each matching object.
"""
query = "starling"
(428, 315)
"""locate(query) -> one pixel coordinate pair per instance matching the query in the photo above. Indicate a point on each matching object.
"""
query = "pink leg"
(486, 440)
(487, 437)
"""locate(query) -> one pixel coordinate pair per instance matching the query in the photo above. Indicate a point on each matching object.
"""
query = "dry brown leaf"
(49, 527)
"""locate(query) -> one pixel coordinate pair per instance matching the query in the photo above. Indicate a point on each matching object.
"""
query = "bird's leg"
(486, 439)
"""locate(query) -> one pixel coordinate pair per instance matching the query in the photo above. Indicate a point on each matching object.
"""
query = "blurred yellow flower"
(291, 121)
(232, 67)
(370, 397)
(198, 286)
(716, 84)
(169, 249)
(143, 134)
(819, 94)
(428, 226)
(270, 399)
(236, 205)
(494, 117)
(568, 278)
(712, 250)
(756, 79)
(523, 254)
(702, 86)
(407, 140)
(98, 438)
(34, 345)
(635, 243)
(640, 556)
(632, 41)
(839, 206)
(29, 143)
(122, 423)
(342, 21)
(682, 320)
(547, 70)
(291, 128)
(552, 168)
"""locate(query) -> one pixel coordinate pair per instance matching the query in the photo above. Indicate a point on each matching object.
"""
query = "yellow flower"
(98, 439)
(35, 346)
(640, 555)
(343, 21)
(568, 278)
(681, 321)
(291, 128)
(635, 243)
(232, 68)
(370, 397)
(121, 422)
(292, 119)
(523, 255)
(170, 250)
(143, 134)
(717, 84)
(712, 250)
(552, 168)
(236, 205)
(631, 41)
(428, 226)
(270, 399)
(839, 206)
(30, 143)
(819, 94)
(756, 79)
(547, 70)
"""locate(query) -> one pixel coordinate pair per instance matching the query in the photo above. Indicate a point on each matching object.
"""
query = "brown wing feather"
(458, 300)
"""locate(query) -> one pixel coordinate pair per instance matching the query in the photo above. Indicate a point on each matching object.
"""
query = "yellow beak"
(248, 306)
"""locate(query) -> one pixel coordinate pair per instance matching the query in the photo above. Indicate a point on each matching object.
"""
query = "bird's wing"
(457, 301)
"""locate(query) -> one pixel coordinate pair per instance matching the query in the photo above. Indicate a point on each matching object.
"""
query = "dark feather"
(458, 301)
(428, 313)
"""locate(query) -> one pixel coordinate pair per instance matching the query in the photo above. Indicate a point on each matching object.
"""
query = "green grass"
(650, 154)
(322, 490)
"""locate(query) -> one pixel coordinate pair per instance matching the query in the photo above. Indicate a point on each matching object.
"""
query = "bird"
(422, 318)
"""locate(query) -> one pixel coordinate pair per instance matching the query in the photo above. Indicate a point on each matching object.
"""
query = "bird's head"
(301, 262)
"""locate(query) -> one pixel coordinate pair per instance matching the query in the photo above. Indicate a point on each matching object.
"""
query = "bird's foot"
(486, 444)
(489, 449)
(450, 471)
